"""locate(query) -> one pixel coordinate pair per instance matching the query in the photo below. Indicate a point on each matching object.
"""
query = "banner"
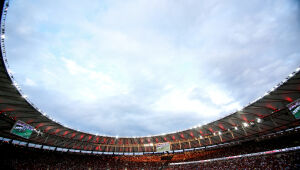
(163, 147)
(295, 108)
(22, 129)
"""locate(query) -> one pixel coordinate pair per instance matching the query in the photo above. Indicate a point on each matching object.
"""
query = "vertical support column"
(231, 134)
(46, 139)
(179, 145)
(199, 141)
(244, 130)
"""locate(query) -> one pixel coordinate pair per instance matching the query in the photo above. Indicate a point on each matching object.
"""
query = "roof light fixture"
(245, 124)
(258, 120)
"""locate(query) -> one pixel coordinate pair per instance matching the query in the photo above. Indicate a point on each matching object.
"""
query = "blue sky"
(137, 67)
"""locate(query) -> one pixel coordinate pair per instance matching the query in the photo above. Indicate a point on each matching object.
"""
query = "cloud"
(29, 82)
(134, 68)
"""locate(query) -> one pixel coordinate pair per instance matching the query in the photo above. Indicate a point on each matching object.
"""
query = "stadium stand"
(24, 157)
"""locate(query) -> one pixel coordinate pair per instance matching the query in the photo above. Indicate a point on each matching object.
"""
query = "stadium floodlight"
(3, 36)
(9, 71)
(245, 124)
(258, 120)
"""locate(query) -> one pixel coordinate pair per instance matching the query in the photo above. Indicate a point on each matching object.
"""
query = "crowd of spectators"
(259, 145)
(286, 161)
(22, 157)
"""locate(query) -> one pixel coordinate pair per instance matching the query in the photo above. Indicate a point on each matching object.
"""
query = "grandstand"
(264, 134)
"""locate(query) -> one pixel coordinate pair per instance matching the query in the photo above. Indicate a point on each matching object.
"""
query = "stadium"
(262, 135)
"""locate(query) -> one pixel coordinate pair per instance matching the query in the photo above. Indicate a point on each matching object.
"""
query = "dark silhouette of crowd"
(286, 161)
(24, 157)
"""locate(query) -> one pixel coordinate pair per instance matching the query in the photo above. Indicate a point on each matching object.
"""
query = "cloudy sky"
(140, 67)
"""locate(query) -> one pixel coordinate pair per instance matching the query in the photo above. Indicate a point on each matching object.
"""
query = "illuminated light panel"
(201, 131)
(39, 125)
(90, 137)
(244, 118)
(73, 135)
(56, 131)
(48, 128)
(182, 136)
(271, 107)
(173, 137)
(65, 133)
(288, 99)
(259, 115)
(221, 126)
(191, 133)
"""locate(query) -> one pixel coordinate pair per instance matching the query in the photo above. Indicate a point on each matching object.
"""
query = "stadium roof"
(265, 115)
